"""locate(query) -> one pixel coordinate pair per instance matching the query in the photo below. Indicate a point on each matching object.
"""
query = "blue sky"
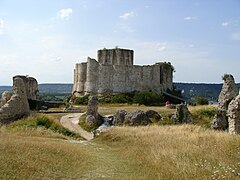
(45, 39)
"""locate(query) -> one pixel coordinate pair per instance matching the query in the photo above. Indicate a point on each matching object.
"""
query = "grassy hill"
(151, 152)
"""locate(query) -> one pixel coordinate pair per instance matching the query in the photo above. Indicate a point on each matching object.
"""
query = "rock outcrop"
(5, 98)
(182, 115)
(234, 116)
(119, 117)
(93, 118)
(227, 94)
(92, 108)
(153, 115)
(135, 118)
(17, 106)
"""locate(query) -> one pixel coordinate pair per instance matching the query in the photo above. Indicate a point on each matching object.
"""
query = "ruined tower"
(115, 72)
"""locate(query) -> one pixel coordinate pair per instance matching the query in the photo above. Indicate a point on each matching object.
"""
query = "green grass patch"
(203, 117)
(40, 122)
(83, 124)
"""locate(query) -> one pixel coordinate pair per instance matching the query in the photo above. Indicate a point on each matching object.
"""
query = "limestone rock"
(92, 108)
(234, 116)
(182, 114)
(31, 86)
(153, 115)
(93, 118)
(135, 118)
(220, 121)
(138, 117)
(119, 117)
(17, 106)
(103, 128)
(228, 92)
(5, 98)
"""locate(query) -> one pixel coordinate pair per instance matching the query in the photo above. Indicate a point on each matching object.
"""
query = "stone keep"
(114, 72)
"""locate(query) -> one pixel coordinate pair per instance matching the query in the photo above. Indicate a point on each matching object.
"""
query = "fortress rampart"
(114, 72)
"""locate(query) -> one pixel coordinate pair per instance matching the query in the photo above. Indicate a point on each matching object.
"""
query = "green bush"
(121, 98)
(148, 98)
(207, 112)
(43, 121)
(201, 101)
(203, 117)
(81, 100)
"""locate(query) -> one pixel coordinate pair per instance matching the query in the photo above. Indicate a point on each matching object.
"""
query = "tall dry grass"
(177, 152)
(24, 157)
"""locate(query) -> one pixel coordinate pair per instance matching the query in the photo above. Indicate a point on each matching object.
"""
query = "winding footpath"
(70, 122)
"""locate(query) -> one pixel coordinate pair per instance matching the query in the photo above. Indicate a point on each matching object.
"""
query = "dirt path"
(70, 122)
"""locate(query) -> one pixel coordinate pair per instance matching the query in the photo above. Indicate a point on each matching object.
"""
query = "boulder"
(92, 108)
(17, 106)
(234, 116)
(227, 94)
(220, 121)
(135, 118)
(153, 115)
(182, 115)
(119, 117)
(103, 128)
(93, 118)
(138, 117)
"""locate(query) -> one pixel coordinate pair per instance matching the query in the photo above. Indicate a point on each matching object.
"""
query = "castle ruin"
(114, 72)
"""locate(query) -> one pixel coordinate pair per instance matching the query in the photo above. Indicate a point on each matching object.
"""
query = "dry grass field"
(150, 152)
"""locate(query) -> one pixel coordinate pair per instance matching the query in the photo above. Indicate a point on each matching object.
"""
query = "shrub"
(43, 121)
(81, 100)
(121, 98)
(203, 117)
(201, 101)
(148, 98)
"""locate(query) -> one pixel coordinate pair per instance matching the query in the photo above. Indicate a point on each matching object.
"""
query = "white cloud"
(161, 46)
(191, 45)
(225, 24)
(235, 36)
(127, 15)
(190, 18)
(1, 26)
(65, 13)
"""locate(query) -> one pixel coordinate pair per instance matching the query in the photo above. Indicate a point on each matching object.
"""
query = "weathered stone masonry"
(115, 72)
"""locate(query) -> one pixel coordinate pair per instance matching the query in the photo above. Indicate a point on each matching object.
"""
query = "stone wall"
(100, 78)
(115, 56)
